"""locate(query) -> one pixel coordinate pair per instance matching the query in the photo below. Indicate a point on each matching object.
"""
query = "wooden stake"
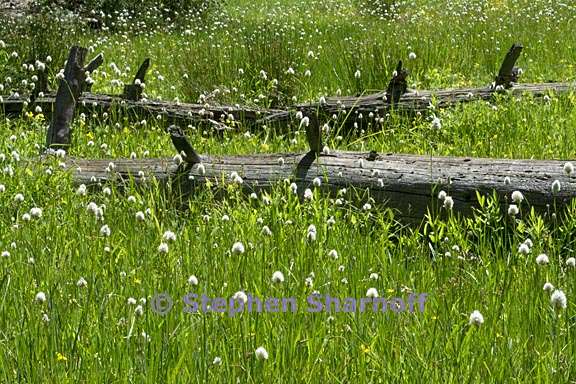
(397, 85)
(508, 74)
(134, 91)
(69, 91)
(183, 146)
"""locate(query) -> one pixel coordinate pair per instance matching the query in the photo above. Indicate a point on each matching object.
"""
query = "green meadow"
(81, 268)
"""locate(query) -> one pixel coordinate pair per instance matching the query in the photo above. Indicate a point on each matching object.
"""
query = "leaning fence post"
(69, 91)
(508, 73)
(134, 91)
(183, 146)
(313, 134)
(397, 85)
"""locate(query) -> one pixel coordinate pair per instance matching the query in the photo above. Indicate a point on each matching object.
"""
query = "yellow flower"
(390, 290)
(90, 135)
(364, 348)
(61, 357)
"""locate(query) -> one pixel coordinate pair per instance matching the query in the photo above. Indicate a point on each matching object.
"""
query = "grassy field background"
(70, 290)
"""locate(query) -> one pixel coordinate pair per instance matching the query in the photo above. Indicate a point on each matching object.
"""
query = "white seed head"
(163, 248)
(40, 297)
(542, 259)
(517, 197)
(513, 210)
(476, 318)
(169, 236)
(558, 299)
(524, 249)
(448, 202)
(261, 353)
(237, 248)
(240, 296)
(81, 282)
(568, 168)
(556, 186)
(105, 230)
(277, 277)
(372, 292)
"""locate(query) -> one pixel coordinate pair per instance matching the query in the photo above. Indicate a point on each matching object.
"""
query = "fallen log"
(407, 183)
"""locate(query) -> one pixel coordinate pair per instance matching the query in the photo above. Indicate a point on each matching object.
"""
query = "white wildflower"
(556, 186)
(542, 259)
(513, 210)
(476, 318)
(568, 168)
(105, 230)
(517, 197)
(163, 248)
(237, 248)
(372, 292)
(240, 296)
(277, 277)
(261, 353)
(169, 236)
(40, 297)
(448, 202)
(558, 299)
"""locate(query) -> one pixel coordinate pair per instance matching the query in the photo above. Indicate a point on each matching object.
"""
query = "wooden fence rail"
(407, 183)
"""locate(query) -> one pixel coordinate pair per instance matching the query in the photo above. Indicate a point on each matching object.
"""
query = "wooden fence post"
(183, 146)
(133, 91)
(69, 91)
(397, 85)
(508, 74)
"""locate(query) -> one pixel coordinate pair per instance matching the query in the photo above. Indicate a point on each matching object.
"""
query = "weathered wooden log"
(407, 183)
(365, 109)
(59, 134)
(361, 110)
(182, 114)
